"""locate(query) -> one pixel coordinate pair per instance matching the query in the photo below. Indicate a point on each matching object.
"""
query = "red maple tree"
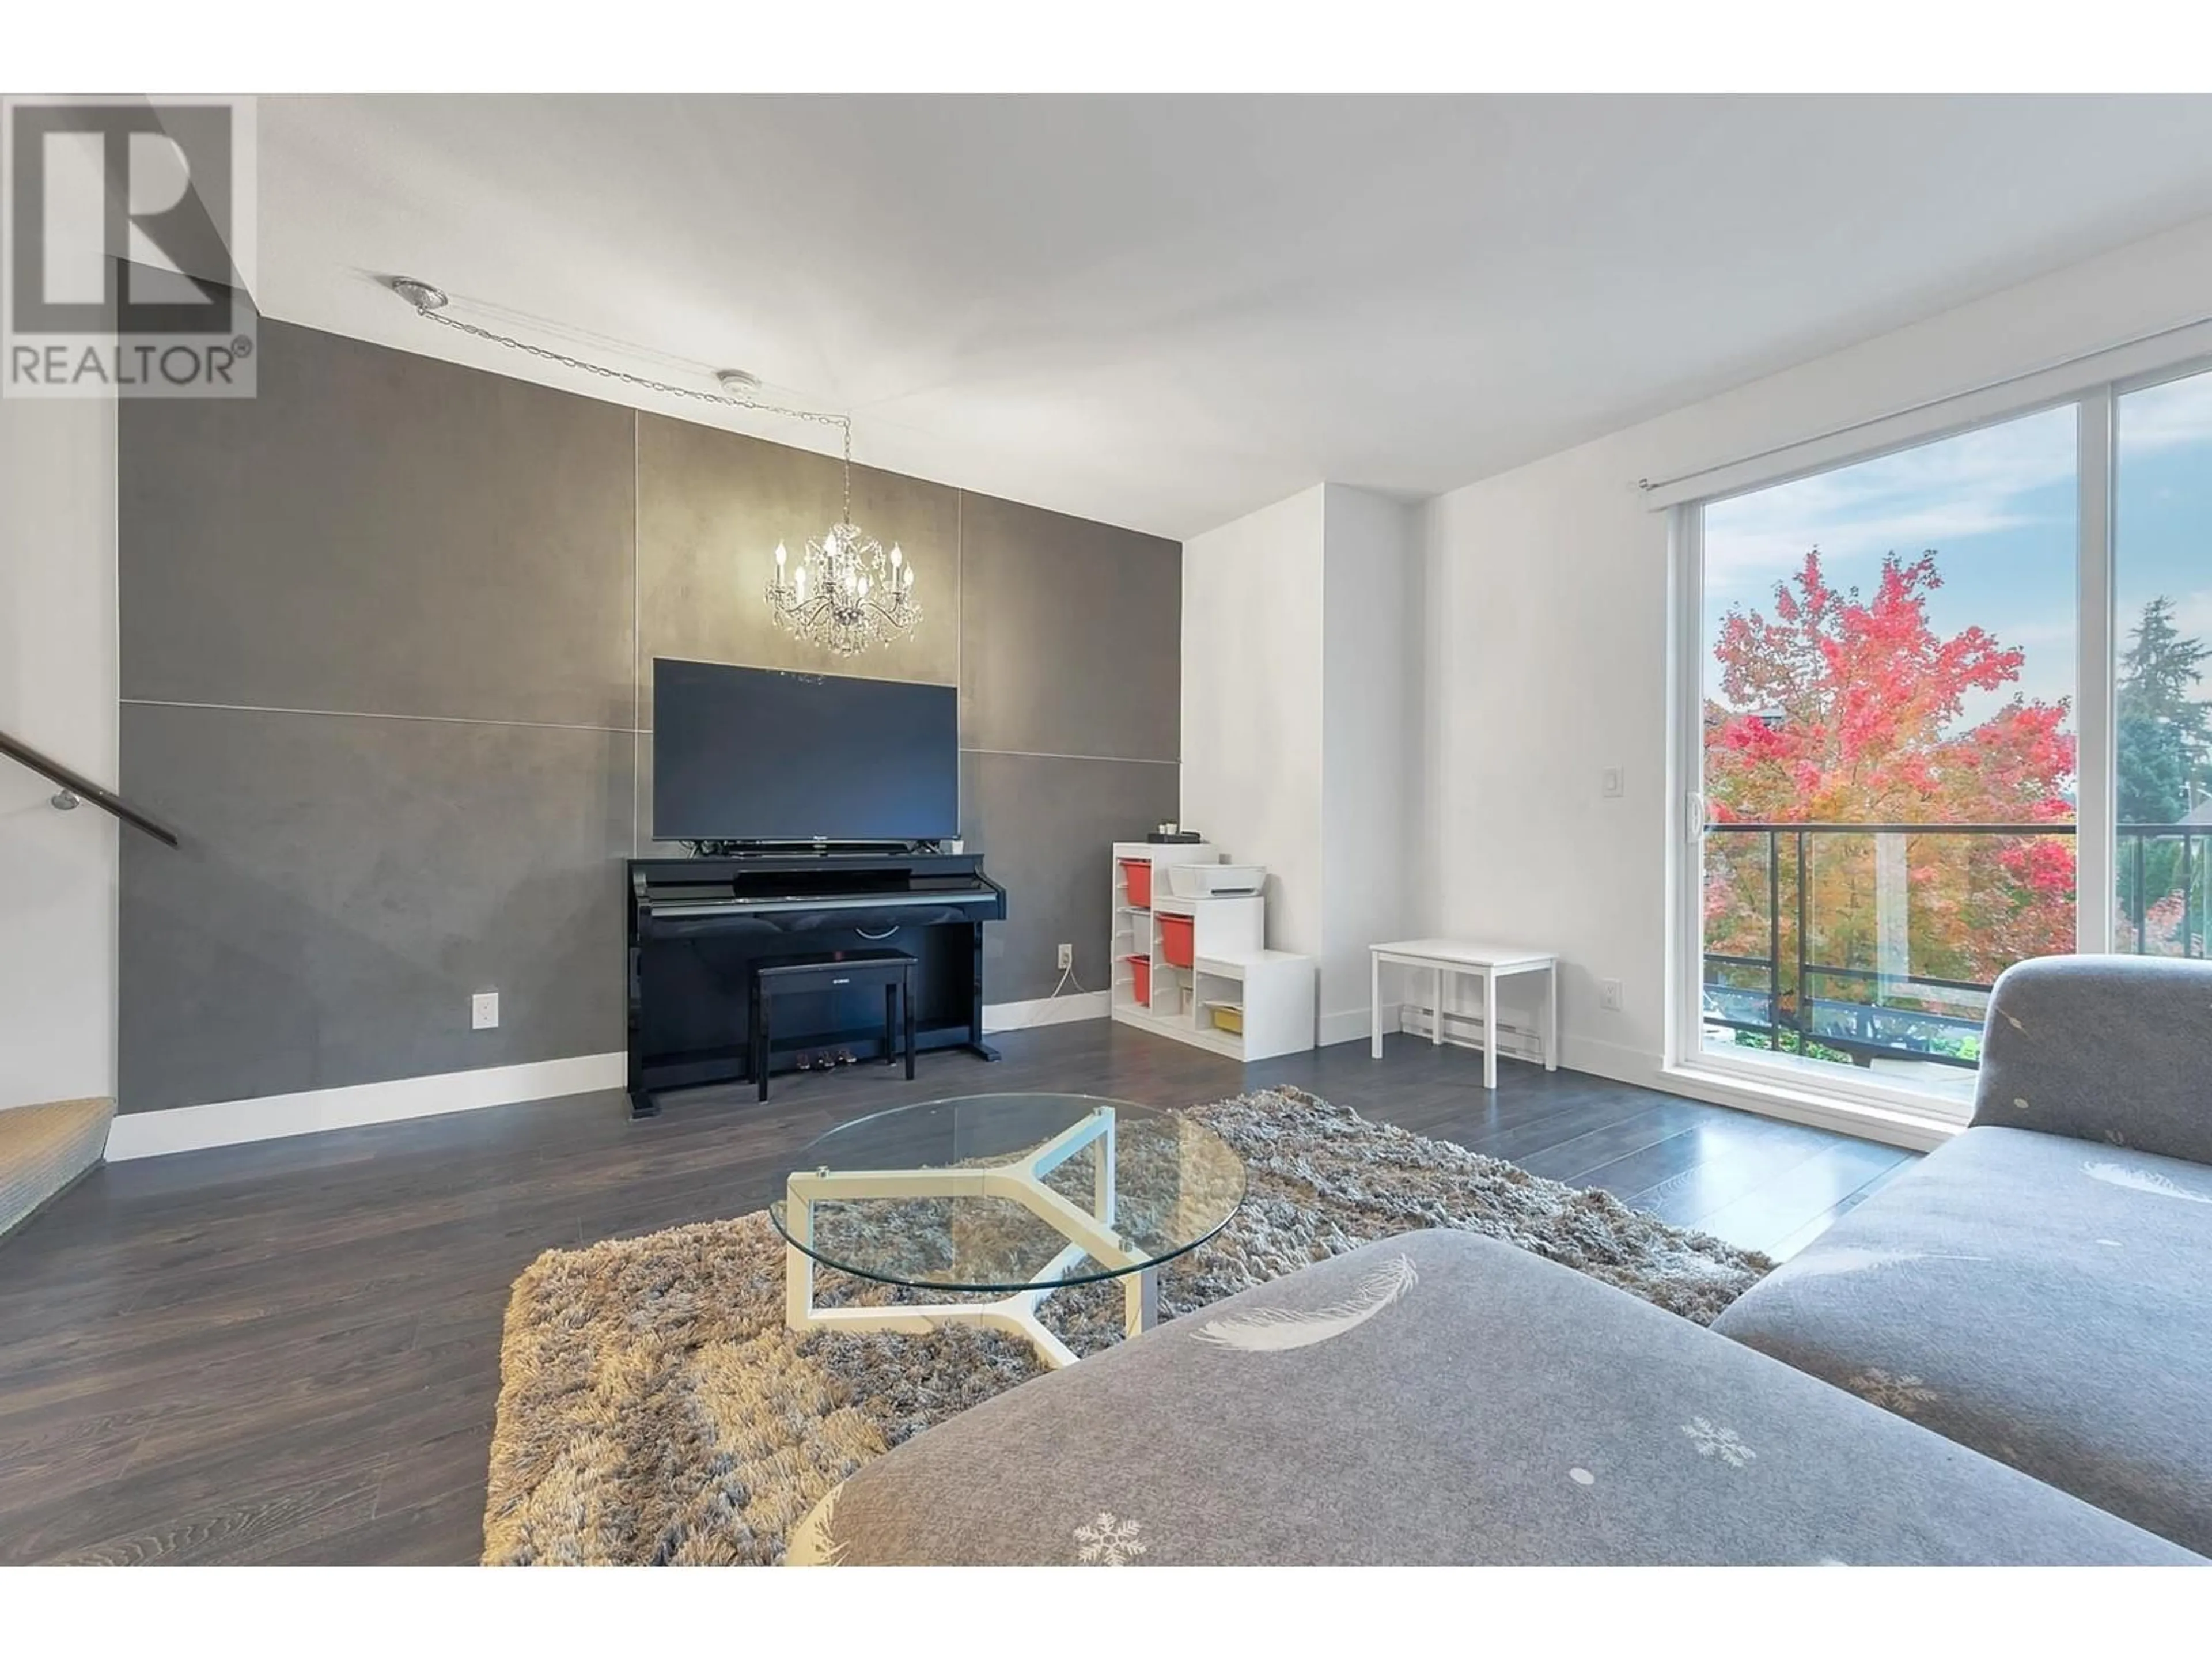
(1840, 708)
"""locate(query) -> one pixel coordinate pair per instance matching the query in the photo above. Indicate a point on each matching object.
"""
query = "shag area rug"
(654, 1408)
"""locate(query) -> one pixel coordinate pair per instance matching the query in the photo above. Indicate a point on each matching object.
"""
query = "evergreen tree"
(2162, 727)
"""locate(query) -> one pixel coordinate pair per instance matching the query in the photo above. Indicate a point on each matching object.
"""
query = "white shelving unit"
(1229, 963)
(1135, 934)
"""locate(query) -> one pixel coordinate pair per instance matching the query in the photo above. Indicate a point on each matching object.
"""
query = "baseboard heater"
(1515, 1039)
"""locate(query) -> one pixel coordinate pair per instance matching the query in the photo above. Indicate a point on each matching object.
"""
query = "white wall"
(1369, 738)
(1547, 631)
(57, 690)
(1299, 720)
(1252, 604)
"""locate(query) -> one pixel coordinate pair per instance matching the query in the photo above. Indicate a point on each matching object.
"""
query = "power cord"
(1066, 978)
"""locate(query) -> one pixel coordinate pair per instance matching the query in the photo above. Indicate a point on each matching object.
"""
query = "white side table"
(1487, 963)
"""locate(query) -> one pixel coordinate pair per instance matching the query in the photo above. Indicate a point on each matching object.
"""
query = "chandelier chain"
(857, 596)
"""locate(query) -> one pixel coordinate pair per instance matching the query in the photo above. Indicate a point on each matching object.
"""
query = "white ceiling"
(1165, 312)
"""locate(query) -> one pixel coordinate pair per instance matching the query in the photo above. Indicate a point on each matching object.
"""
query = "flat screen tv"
(757, 754)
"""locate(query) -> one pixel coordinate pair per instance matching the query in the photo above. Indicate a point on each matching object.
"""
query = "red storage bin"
(1138, 873)
(1175, 939)
(1141, 970)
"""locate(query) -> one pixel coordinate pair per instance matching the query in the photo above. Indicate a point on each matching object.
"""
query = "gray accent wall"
(387, 634)
(380, 534)
(1036, 819)
(347, 880)
(712, 505)
(1066, 628)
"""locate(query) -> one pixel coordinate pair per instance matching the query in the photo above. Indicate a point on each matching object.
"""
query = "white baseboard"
(233, 1122)
(1350, 1024)
(1046, 1011)
(1616, 1061)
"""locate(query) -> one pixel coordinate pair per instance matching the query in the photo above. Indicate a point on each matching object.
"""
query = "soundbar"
(990, 896)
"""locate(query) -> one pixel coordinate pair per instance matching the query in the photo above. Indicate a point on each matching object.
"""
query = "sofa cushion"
(2039, 1298)
(1438, 1398)
(2107, 1049)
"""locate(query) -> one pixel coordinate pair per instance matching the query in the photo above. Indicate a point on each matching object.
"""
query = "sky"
(1998, 507)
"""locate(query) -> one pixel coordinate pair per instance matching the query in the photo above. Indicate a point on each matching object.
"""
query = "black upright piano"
(699, 925)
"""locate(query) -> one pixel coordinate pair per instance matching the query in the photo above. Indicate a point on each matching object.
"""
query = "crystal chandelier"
(845, 593)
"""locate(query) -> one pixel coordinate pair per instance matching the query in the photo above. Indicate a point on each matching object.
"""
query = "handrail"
(2060, 827)
(1801, 1016)
(2055, 827)
(76, 787)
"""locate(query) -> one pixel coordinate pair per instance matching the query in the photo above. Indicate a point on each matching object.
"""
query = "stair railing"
(75, 787)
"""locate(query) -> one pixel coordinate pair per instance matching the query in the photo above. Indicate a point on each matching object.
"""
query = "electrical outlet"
(1067, 959)
(484, 1011)
(1608, 994)
(1609, 783)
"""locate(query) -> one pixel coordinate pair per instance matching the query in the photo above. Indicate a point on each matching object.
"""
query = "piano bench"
(792, 977)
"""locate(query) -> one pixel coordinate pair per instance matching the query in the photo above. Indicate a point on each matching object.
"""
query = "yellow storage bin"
(1227, 1016)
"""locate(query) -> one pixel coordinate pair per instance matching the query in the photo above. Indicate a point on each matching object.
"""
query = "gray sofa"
(1491, 1406)
(2040, 1289)
(2033, 1292)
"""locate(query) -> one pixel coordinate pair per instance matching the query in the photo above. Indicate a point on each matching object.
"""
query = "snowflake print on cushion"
(1107, 1542)
(1905, 1395)
(1713, 1440)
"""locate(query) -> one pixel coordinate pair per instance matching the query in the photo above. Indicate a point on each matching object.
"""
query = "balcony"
(1875, 945)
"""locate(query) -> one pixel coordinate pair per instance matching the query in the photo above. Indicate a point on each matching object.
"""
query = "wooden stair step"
(44, 1149)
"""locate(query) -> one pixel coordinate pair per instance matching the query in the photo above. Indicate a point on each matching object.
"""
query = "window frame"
(1810, 1085)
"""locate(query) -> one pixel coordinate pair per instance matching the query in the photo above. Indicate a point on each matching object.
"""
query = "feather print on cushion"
(810, 1544)
(1853, 1258)
(1268, 1330)
(2141, 1180)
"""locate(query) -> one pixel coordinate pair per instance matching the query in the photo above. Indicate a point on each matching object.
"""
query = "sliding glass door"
(2162, 715)
(1886, 755)
(1894, 786)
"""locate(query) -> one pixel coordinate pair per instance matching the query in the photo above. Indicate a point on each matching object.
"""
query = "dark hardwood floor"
(289, 1351)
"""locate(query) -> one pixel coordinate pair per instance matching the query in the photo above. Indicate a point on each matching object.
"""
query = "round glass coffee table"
(1009, 1196)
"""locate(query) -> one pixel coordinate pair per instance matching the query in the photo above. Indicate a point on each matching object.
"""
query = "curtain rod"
(1647, 485)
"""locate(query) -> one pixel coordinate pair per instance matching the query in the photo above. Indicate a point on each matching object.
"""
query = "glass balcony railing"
(1860, 943)
(2162, 888)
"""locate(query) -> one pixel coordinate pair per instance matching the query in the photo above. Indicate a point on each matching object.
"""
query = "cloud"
(2167, 416)
(2000, 478)
(2053, 631)
(1970, 485)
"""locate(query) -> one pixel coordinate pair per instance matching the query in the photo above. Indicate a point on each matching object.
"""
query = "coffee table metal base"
(1089, 1233)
